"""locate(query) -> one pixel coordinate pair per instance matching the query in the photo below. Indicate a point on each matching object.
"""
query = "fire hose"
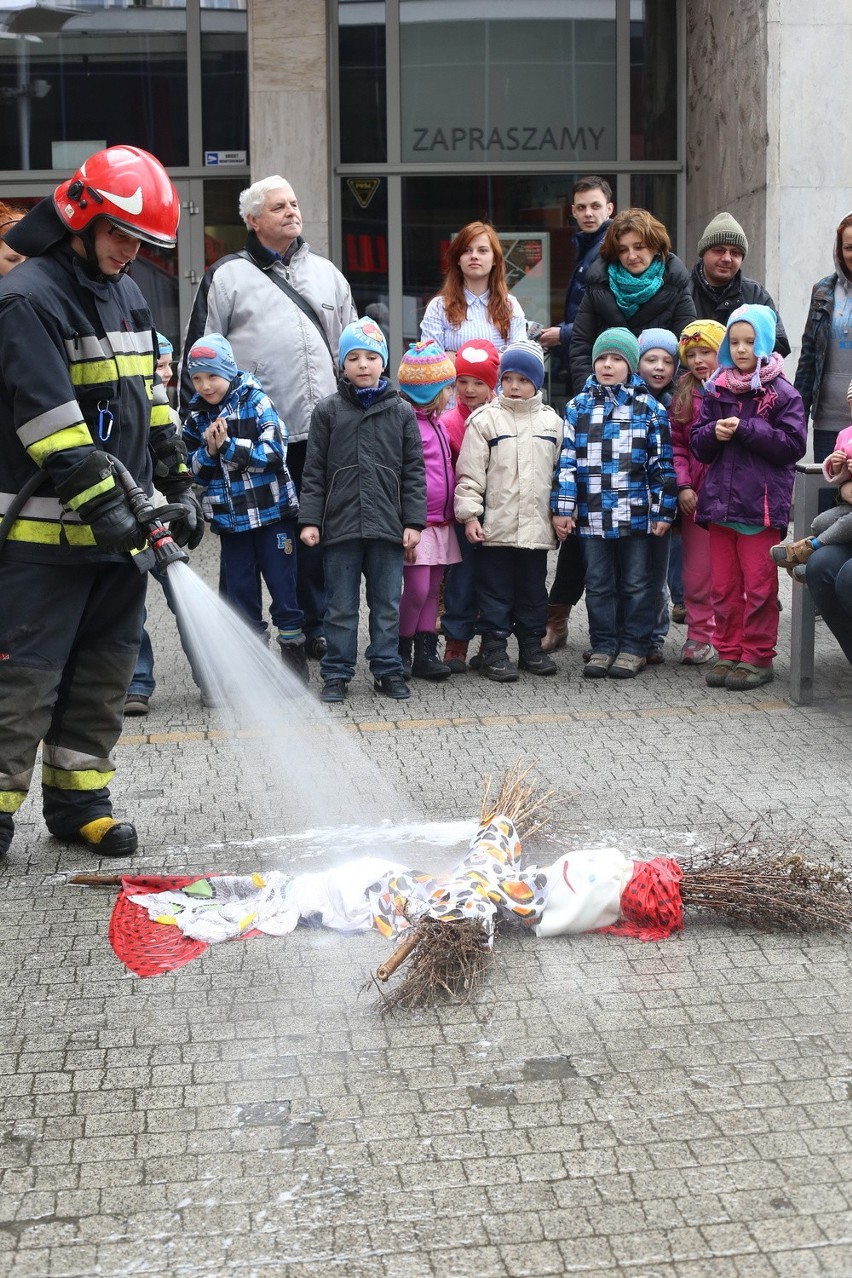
(152, 520)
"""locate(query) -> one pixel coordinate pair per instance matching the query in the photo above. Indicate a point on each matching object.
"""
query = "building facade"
(397, 121)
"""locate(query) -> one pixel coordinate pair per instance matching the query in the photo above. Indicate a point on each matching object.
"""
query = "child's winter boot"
(406, 643)
(455, 655)
(426, 664)
(294, 655)
(556, 634)
(532, 657)
(495, 660)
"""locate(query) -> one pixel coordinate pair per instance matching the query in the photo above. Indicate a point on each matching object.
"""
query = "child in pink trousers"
(697, 351)
(425, 377)
(751, 432)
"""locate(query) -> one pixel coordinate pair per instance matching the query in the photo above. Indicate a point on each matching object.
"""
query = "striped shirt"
(476, 324)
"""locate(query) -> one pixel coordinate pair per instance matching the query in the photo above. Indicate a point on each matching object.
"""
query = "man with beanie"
(717, 284)
(615, 486)
(504, 476)
(283, 308)
(237, 448)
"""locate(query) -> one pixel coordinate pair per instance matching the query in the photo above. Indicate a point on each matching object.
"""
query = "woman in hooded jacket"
(824, 370)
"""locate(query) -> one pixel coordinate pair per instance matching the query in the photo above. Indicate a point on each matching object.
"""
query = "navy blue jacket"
(587, 244)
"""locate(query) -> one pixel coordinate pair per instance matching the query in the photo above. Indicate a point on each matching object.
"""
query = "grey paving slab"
(602, 1107)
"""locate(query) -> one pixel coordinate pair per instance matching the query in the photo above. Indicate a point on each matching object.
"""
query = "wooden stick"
(97, 880)
(400, 954)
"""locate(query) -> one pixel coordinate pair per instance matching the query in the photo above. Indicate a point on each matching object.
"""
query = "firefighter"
(78, 383)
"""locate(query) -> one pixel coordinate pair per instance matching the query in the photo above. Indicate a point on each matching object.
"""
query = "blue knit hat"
(362, 335)
(212, 354)
(763, 320)
(618, 341)
(164, 346)
(525, 358)
(658, 339)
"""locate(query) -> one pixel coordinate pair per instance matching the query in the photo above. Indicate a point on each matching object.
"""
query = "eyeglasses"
(124, 237)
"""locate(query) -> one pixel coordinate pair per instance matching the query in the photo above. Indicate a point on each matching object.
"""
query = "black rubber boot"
(406, 642)
(495, 661)
(532, 657)
(106, 836)
(7, 829)
(295, 658)
(426, 664)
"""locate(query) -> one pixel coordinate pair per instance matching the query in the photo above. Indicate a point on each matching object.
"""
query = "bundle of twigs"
(519, 800)
(771, 889)
(443, 959)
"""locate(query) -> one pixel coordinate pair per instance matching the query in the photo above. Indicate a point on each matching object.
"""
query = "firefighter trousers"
(69, 635)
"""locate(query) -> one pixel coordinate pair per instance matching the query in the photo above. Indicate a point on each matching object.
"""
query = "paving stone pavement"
(601, 1107)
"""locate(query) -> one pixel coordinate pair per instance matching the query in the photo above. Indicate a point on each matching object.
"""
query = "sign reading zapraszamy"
(541, 140)
(506, 87)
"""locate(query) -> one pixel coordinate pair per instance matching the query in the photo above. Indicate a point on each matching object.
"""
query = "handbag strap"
(296, 298)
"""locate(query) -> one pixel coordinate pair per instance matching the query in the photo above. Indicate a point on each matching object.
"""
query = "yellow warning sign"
(363, 189)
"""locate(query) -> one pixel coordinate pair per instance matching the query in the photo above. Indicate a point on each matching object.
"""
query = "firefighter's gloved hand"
(115, 527)
(188, 527)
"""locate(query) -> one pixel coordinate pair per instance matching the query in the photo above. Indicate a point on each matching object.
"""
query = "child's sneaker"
(717, 675)
(393, 686)
(789, 553)
(598, 664)
(695, 653)
(333, 691)
(745, 676)
(627, 665)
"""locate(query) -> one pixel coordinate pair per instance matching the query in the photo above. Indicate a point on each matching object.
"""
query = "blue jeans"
(459, 619)
(829, 578)
(270, 552)
(381, 564)
(620, 597)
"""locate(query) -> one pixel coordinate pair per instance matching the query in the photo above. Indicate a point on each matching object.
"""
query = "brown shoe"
(788, 554)
(455, 655)
(556, 634)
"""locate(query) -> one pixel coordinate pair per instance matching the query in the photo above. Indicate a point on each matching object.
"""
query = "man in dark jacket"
(592, 209)
(717, 283)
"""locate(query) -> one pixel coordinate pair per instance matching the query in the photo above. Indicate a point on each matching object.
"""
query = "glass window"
(73, 82)
(364, 205)
(224, 81)
(653, 80)
(532, 216)
(513, 86)
(224, 229)
(362, 85)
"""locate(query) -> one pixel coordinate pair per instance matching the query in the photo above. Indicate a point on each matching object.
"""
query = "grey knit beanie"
(724, 229)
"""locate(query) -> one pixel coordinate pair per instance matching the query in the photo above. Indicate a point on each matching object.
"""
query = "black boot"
(495, 660)
(406, 643)
(7, 829)
(295, 658)
(426, 664)
(532, 657)
(105, 835)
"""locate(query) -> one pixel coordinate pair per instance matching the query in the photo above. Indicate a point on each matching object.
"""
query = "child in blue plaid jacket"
(615, 485)
(237, 445)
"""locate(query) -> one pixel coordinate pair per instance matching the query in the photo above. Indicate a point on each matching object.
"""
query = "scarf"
(632, 291)
(768, 368)
(369, 394)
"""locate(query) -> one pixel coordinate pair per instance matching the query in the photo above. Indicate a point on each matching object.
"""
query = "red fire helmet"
(126, 185)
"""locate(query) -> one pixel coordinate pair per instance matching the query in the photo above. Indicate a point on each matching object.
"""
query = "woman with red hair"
(474, 302)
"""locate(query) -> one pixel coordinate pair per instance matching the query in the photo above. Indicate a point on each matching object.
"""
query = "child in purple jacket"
(751, 432)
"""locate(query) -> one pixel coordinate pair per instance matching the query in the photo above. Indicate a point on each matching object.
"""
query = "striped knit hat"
(703, 332)
(424, 372)
(723, 229)
(618, 341)
(526, 358)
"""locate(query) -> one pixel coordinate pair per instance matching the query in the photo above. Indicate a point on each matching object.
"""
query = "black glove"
(115, 527)
(187, 528)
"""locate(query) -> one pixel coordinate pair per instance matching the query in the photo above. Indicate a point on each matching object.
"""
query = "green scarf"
(632, 291)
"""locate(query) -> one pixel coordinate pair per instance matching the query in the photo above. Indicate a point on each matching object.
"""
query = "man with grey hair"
(282, 307)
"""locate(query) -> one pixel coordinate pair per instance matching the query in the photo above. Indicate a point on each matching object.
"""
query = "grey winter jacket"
(272, 339)
(364, 476)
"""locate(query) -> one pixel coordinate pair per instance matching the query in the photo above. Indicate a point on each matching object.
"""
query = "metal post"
(809, 482)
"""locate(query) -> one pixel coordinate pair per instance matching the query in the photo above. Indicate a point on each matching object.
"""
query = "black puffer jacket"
(364, 476)
(740, 291)
(671, 307)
